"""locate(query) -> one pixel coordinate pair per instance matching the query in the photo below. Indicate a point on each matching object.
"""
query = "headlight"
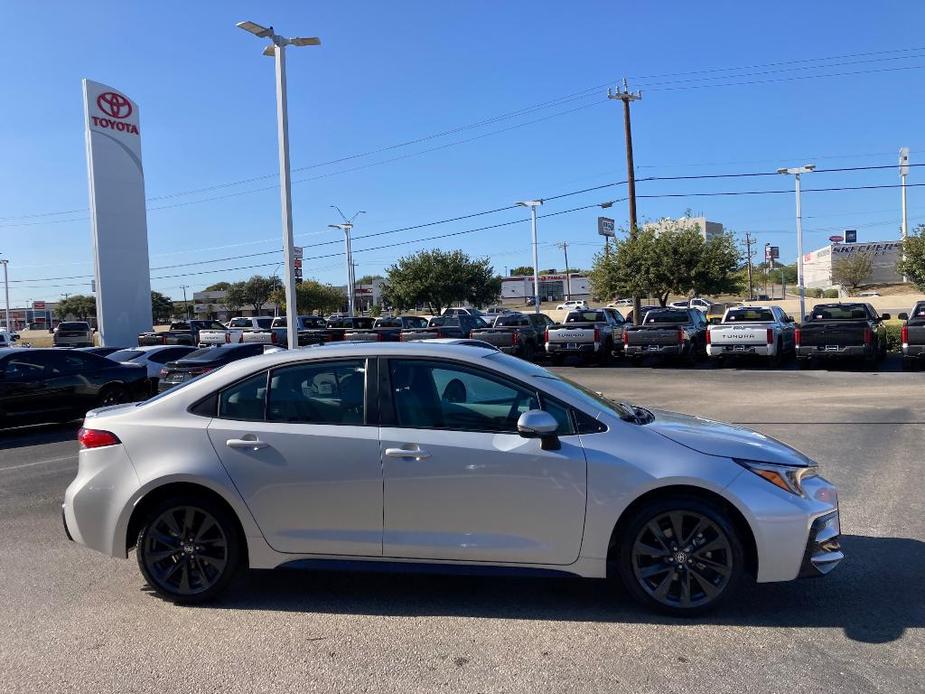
(787, 477)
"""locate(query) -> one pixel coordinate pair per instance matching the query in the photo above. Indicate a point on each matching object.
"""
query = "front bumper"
(823, 549)
(834, 351)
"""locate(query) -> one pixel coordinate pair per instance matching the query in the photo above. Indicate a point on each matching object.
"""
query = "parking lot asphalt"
(74, 620)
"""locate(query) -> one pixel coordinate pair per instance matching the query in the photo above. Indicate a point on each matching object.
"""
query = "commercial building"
(707, 229)
(552, 287)
(212, 304)
(817, 265)
(40, 315)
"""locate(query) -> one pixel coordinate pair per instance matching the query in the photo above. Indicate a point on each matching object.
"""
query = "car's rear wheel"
(112, 395)
(680, 555)
(188, 550)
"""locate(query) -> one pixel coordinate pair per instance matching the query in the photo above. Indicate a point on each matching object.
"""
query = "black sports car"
(55, 385)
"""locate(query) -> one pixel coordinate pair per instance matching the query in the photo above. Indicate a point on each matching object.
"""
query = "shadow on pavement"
(874, 596)
(21, 437)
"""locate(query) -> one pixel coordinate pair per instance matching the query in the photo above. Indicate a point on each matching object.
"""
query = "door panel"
(470, 488)
(313, 486)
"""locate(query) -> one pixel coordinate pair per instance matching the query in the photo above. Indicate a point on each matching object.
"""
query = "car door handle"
(250, 443)
(416, 453)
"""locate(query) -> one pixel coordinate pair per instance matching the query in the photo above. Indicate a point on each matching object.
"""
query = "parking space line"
(38, 462)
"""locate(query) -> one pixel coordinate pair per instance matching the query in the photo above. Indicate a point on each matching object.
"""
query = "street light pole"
(903, 172)
(347, 227)
(568, 275)
(277, 49)
(796, 172)
(184, 287)
(6, 291)
(533, 204)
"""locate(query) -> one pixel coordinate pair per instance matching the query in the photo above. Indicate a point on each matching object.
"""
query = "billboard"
(851, 235)
(606, 226)
(122, 276)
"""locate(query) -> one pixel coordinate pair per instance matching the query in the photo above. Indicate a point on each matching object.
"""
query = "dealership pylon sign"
(117, 213)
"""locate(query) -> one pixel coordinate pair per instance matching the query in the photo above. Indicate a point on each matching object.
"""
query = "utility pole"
(748, 260)
(346, 227)
(533, 204)
(796, 172)
(903, 172)
(184, 287)
(568, 274)
(6, 291)
(626, 96)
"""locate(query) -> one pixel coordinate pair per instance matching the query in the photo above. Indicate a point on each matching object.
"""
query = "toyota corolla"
(375, 454)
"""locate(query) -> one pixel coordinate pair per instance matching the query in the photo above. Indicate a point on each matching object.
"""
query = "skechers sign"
(115, 108)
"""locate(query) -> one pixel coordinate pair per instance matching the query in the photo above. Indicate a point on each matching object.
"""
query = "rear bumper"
(657, 350)
(914, 351)
(579, 348)
(823, 352)
(735, 350)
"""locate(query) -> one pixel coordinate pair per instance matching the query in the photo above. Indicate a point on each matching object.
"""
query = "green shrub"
(893, 336)
(830, 294)
(812, 293)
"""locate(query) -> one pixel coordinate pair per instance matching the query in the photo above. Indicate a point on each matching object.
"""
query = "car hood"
(720, 439)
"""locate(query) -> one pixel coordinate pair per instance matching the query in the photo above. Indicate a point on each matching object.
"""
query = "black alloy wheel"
(188, 551)
(112, 395)
(681, 556)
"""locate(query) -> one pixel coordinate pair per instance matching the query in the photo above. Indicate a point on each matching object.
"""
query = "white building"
(817, 265)
(707, 229)
(552, 287)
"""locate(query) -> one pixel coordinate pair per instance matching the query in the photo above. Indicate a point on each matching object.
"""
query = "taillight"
(163, 339)
(868, 336)
(680, 336)
(379, 337)
(546, 335)
(241, 337)
(401, 337)
(770, 336)
(710, 339)
(227, 337)
(273, 338)
(515, 336)
(626, 337)
(904, 335)
(796, 337)
(597, 334)
(96, 438)
(163, 373)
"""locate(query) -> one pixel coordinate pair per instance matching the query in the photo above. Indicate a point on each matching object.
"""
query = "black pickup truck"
(459, 326)
(913, 337)
(520, 334)
(338, 326)
(386, 329)
(676, 333)
(180, 333)
(840, 331)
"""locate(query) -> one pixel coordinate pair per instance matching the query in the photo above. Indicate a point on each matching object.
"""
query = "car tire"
(112, 395)
(804, 363)
(689, 577)
(202, 567)
(557, 359)
(603, 357)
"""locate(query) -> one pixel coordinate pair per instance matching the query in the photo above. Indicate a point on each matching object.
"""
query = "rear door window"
(245, 400)
(318, 393)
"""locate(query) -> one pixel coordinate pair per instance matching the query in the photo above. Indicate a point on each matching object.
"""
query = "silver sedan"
(371, 455)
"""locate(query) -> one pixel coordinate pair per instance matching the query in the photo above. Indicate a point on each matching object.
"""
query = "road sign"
(836, 239)
(771, 252)
(606, 226)
(298, 263)
(298, 252)
(851, 236)
(904, 161)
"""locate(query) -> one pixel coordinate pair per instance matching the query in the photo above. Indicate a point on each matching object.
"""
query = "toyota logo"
(115, 105)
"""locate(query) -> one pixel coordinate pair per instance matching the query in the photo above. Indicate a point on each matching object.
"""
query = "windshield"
(749, 315)
(585, 317)
(597, 401)
(510, 320)
(837, 312)
(126, 354)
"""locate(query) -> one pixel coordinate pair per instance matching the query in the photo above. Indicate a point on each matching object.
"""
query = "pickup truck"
(73, 334)
(386, 329)
(180, 333)
(764, 331)
(679, 333)
(235, 331)
(454, 325)
(311, 330)
(338, 326)
(592, 334)
(520, 334)
(913, 337)
(841, 330)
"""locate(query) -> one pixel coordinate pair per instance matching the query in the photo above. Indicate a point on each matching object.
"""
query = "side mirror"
(807, 317)
(903, 316)
(537, 424)
(884, 316)
(716, 320)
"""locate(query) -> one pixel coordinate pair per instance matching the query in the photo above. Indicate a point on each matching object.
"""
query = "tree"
(254, 292)
(369, 279)
(912, 263)
(438, 278)
(161, 307)
(668, 259)
(218, 287)
(80, 306)
(853, 270)
(522, 271)
(311, 296)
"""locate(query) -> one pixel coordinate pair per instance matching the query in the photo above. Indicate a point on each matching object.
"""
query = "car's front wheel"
(680, 555)
(188, 549)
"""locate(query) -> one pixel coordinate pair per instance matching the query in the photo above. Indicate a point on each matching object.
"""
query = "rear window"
(73, 326)
(240, 323)
(839, 313)
(510, 320)
(125, 354)
(585, 317)
(264, 323)
(387, 323)
(666, 317)
(363, 323)
(749, 315)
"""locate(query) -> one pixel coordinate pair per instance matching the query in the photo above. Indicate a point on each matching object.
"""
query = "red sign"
(38, 305)
(836, 239)
(115, 105)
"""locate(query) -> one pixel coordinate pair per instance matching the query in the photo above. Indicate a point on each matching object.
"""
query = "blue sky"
(392, 72)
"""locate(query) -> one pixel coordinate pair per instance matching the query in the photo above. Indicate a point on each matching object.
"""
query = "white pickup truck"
(764, 331)
(234, 333)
